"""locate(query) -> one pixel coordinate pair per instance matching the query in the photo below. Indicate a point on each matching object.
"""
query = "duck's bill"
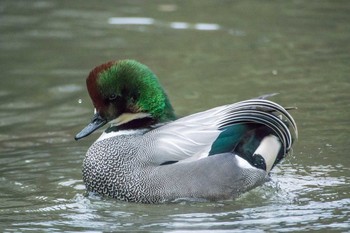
(96, 123)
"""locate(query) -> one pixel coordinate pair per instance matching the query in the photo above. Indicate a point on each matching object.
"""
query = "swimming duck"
(147, 155)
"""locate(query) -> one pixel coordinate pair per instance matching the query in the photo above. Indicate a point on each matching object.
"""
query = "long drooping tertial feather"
(262, 112)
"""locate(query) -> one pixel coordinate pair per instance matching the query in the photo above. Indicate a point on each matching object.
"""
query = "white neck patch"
(105, 135)
(127, 117)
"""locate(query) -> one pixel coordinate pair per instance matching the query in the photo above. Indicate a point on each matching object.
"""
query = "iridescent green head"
(127, 93)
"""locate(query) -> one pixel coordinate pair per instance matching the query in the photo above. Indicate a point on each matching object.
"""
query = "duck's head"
(125, 92)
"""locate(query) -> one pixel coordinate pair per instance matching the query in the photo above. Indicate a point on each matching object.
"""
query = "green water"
(220, 52)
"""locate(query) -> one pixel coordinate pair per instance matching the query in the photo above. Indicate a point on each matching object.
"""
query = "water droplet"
(80, 101)
(274, 72)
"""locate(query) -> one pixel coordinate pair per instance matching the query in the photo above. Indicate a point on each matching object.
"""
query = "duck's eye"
(112, 97)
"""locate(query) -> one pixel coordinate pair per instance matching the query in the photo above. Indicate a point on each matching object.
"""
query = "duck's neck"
(168, 114)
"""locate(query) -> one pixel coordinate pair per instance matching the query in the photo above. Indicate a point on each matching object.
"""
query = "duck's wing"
(219, 130)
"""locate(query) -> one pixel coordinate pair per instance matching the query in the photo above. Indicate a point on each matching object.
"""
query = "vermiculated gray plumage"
(186, 159)
(124, 175)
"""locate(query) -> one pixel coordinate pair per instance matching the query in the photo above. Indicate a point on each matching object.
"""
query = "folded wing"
(228, 128)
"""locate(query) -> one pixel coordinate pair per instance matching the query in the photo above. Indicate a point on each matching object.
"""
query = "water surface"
(206, 53)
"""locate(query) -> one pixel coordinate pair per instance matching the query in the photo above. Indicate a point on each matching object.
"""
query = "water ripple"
(138, 21)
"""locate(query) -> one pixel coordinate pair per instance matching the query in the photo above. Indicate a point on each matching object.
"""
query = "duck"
(149, 155)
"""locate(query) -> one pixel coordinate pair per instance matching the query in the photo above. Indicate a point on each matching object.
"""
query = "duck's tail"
(266, 132)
